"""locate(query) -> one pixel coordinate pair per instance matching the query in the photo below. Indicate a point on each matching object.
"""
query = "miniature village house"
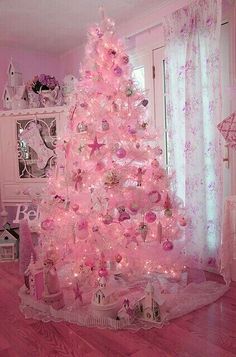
(149, 305)
(8, 94)
(9, 243)
(15, 78)
(103, 295)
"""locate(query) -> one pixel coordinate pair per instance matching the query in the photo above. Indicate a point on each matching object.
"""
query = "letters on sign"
(29, 212)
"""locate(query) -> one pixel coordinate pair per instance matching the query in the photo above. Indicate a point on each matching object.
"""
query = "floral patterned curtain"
(193, 112)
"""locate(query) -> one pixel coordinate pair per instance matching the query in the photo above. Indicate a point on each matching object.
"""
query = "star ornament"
(95, 146)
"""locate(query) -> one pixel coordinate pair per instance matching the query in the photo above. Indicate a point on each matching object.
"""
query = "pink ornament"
(150, 217)
(100, 166)
(167, 245)
(82, 224)
(75, 207)
(167, 203)
(154, 196)
(123, 215)
(121, 153)
(103, 272)
(134, 207)
(118, 258)
(125, 59)
(117, 71)
(111, 52)
(48, 224)
(182, 221)
(107, 219)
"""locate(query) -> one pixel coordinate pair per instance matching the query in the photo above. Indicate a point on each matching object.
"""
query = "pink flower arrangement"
(42, 82)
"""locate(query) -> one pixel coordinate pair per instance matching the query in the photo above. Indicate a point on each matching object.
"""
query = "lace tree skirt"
(177, 303)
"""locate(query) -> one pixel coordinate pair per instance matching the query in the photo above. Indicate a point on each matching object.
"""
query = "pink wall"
(70, 61)
(30, 63)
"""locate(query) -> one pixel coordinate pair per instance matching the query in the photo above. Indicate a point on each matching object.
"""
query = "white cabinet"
(27, 150)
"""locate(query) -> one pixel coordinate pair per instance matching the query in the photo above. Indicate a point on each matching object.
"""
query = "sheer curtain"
(193, 111)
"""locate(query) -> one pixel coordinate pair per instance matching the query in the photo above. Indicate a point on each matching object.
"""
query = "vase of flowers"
(46, 88)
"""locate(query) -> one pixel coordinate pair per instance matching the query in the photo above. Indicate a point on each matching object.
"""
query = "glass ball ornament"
(121, 153)
(128, 92)
(117, 71)
(154, 196)
(107, 219)
(103, 273)
(125, 59)
(167, 245)
(134, 207)
(168, 212)
(150, 217)
(48, 224)
(182, 221)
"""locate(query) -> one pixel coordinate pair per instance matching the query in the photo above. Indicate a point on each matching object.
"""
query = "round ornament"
(117, 71)
(107, 219)
(120, 153)
(167, 245)
(168, 212)
(103, 273)
(150, 217)
(48, 224)
(154, 196)
(128, 92)
(125, 59)
(182, 221)
(134, 207)
(118, 258)
(111, 52)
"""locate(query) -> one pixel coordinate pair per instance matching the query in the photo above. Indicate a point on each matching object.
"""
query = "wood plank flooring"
(208, 332)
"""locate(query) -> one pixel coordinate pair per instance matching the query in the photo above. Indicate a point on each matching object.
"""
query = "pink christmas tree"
(108, 205)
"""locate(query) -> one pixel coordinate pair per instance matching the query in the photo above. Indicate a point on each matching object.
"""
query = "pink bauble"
(150, 217)
(82, 224)
(103, 273)
(154, 196)
(75, 207)
(100, 166)
(48, 224)
(118, 258)
(107, 219)
(134, 207)
(167, 245)
(182, 221)
(121, 153)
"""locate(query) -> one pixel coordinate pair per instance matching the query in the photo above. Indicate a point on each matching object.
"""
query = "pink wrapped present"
(228, 129)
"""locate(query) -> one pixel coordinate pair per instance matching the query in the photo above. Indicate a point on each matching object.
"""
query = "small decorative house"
(20, 100)
(8, 94)
(148, 307)
(145, 308)
(9, 243)
(15, 78)
(105, 300)
(35, 275)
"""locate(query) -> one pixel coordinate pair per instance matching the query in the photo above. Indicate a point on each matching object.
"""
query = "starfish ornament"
(95, 146)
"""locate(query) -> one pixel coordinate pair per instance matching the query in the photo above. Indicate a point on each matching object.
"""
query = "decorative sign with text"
(26, 211)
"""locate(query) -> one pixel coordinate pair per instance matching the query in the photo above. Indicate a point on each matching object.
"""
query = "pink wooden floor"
(208, 332)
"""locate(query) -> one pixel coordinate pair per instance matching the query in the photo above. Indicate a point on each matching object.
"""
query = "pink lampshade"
(228, 129)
